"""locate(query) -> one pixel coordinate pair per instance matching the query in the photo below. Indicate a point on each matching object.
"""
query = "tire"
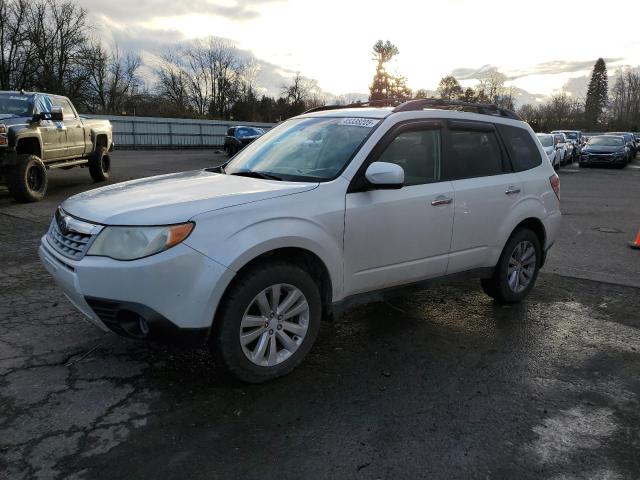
(241, 301)
(100, 165)
(498, 286)
(27, 181)
(231, 151)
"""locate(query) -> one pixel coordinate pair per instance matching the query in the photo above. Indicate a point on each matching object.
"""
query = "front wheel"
(517, 270)
(100, 165)
(268, 322)
(27, 181)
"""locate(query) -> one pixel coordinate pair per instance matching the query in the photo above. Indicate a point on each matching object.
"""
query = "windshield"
(546, 140)
(571, 135)
(607, 141)
(304, 149)
(16, 104)
(248, 132)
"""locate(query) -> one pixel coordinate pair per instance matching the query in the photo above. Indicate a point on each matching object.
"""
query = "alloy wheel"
(274, 325)
(522, 266)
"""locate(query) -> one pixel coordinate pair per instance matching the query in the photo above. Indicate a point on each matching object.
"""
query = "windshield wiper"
(255, 174)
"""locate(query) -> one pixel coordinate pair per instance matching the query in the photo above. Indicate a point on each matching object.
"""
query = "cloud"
(472, 73)
(545, 68)
(558, 66)
(139, 10)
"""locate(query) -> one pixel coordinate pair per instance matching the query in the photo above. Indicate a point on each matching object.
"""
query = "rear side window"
(521, 148)
(473, 154)
(231, 132)
(418, 153)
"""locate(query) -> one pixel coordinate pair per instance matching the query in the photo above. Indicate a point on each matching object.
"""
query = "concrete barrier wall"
(168, 133)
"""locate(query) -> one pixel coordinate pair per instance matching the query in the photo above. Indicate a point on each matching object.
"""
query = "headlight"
(131, 243)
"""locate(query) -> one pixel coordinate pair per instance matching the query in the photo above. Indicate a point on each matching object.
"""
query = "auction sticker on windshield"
(358, 122)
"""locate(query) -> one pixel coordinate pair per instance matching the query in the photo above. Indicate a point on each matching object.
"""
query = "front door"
(395, 237)
(53, 134)
(73, 126)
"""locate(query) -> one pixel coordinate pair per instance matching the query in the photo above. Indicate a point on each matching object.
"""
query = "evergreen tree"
(597, 95)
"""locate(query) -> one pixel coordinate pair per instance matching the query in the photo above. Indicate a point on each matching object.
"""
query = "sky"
(542, 46)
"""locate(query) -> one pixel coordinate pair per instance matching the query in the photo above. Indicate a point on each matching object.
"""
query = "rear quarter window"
(521, 148)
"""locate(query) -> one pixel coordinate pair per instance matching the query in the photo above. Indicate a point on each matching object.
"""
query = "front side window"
(473, 154)
(303, 149)
(521, 148)
(418, 153)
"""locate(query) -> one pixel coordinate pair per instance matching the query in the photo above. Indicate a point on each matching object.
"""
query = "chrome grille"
(66, 239)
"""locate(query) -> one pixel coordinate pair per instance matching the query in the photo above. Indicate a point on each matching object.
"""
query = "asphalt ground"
(441, 384)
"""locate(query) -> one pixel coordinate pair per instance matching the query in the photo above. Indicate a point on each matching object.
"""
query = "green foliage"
(449, 88)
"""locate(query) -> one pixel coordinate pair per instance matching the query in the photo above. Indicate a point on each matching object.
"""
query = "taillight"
(554, 180)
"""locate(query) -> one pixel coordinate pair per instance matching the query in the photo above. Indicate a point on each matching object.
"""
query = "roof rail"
(412, 104)
(481, 108)
(387, 102)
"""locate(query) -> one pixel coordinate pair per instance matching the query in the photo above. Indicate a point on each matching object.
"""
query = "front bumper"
(616, 159)
(175, 292)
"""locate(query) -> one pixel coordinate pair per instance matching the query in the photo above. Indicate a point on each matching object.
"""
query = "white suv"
(323, 209)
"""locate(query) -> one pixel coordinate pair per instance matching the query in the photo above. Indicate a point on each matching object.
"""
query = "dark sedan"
(239, 137)
(605, 150)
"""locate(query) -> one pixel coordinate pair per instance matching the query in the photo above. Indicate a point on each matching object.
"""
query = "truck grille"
(65, 237)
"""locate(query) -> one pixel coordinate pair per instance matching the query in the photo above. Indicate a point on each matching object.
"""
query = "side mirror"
(384, 175)
(56, 114)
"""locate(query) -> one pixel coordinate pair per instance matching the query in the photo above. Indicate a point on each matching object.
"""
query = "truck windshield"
(16, 104)
(303, 149)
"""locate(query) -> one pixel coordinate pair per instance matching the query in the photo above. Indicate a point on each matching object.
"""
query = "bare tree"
(111, 78)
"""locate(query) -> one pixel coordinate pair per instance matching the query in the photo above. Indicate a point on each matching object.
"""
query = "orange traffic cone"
(636, 242)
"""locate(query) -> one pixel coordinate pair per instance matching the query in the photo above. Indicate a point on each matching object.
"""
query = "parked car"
(40, 131)
(548, 143)
(630, 141)
(239, 137)
(609, 150)
(327, 209)
(563, 146)
(575, 142)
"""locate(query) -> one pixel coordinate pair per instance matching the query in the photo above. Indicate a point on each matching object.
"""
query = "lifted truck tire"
(100, 165)
(27, 181)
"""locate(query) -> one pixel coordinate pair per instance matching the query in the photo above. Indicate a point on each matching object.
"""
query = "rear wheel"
(268, 322)
(27, 181)
(517, 270)
(100, 165)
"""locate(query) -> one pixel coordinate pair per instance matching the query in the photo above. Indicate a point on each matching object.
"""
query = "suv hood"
(174, 198)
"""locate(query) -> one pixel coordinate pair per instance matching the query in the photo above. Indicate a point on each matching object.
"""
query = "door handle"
(441, 200)
(512, 191)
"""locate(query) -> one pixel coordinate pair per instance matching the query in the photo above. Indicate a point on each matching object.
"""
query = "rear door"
(395, 237)
(485, 191)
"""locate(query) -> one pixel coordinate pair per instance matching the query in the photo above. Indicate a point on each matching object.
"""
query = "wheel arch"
(303, 257)
(30, 146)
